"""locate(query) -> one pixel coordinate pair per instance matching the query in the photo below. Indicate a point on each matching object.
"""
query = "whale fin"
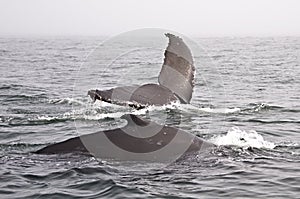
(177, 73)
(71, 145)
(135, 96)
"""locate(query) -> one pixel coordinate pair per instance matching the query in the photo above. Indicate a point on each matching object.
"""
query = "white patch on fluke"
(241, 138)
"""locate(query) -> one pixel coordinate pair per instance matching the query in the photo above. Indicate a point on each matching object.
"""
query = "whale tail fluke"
(176, 81)
(177, 73)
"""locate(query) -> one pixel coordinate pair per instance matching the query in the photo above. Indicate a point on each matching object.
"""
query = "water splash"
(69, 101)
(241, 138)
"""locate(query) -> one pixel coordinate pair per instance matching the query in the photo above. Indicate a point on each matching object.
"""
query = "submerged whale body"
(140, 139)
(176, 81)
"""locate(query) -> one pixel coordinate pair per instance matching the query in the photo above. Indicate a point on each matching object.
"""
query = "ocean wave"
(257, 107)
(102, 110)
(93, 113)
(272, 121)
(189, 108)
(69, 101)
(252, 108)
(22, 97)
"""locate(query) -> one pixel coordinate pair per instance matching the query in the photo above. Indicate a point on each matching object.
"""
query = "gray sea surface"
(246, 101)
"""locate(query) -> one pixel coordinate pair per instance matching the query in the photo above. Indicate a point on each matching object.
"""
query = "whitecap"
(241, 138)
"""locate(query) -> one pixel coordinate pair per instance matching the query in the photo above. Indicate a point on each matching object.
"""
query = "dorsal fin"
(177, 73)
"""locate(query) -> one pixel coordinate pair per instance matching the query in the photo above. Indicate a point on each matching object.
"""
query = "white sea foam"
(67, 100)
(91, 110)
(65, 116)
(241, 138)
(103, 116)
(43, 118)
(221, 110)
(193, 109)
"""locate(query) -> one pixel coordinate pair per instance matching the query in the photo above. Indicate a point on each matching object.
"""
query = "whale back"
(140, 140)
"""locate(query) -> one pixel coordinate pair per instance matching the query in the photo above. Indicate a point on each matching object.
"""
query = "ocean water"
(245, 101)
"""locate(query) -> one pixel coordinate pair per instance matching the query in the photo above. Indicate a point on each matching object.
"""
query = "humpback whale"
(175, 81)
(139, 139)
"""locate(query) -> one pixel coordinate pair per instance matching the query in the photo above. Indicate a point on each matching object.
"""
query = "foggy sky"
(196, 18)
